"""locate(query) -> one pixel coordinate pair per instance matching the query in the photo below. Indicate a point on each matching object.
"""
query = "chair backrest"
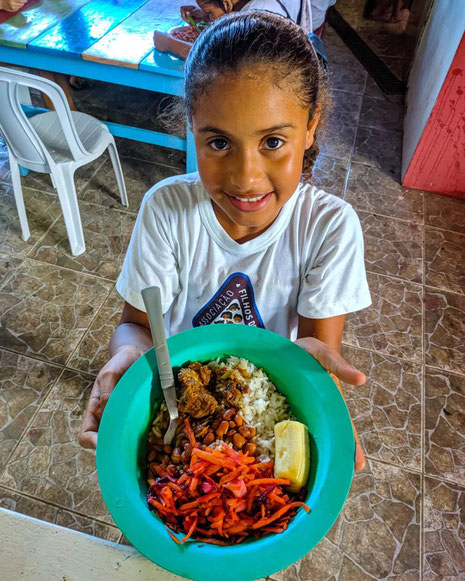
(19, 134)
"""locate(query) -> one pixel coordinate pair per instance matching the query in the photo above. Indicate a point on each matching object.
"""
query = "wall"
(434, 55)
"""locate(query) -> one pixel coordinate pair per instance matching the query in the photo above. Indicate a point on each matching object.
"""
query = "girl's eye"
(273, 143)
(219, 144)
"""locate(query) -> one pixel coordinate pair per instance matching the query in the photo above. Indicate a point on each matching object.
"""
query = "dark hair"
(241, 39)
(218, 3)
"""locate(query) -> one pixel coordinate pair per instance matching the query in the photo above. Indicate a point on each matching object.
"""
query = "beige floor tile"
(8, 264)
(381, 114)
(148, 152)
(92, 352)
(392, 324)
(373, 190)
(444, 531)
(337, 134)
(46, 512)
(387, 409)
(42, 210)
(445, 212)
(444, 425)
(445, 260)
(347, 79)
(45, 310)
(103, 190)
(445, 330)
(24, 383)
(379, 148)
(330, 175)
(289, 574)
(377, 535)
(106, 232)
(338, 53)
(49, 463)
(393, 247)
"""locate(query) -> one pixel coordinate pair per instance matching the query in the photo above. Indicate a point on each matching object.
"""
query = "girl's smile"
(250, 136)
(250, 203)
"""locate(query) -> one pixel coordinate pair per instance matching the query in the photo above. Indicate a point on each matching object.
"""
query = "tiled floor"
(404, 518)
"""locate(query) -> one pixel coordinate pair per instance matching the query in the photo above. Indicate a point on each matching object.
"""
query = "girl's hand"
(166, 43)
(332, 361)
(101, 391)
(338, 367)
(162, 41)
(195, 13)
(11, 5)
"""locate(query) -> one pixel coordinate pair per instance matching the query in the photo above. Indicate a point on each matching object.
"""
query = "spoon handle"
(152, 300)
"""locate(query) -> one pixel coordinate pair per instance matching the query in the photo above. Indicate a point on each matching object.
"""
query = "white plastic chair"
(57, 143)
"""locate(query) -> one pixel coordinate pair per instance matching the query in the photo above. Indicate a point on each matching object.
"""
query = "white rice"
(261, 406)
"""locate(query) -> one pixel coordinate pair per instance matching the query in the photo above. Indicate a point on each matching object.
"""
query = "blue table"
(106, 40)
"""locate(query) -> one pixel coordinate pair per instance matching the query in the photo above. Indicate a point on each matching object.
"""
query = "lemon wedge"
(292, 453)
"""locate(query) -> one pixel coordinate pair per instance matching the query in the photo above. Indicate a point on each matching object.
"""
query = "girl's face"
(250, 137)
(211, 9)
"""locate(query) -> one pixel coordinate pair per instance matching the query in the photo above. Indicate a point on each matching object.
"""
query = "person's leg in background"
(61, 80)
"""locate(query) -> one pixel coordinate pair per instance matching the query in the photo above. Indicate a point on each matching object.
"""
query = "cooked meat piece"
(196, 401)
(203, 371)
(188, 376)
(205, 374)
(196, 366)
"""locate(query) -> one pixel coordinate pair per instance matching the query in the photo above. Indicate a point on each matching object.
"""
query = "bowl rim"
(193, 560)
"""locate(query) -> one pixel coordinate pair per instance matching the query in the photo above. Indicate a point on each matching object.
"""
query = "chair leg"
(18, 192)
(64, 183)
(118, 172)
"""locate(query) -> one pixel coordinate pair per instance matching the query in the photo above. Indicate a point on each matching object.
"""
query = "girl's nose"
(246, 170)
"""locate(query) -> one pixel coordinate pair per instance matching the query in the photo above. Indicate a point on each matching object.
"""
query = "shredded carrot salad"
(223, 497)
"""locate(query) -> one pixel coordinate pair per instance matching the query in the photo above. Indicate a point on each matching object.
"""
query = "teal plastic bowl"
(314, 399)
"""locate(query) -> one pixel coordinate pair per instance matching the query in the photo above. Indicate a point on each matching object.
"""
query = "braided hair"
(259, 37)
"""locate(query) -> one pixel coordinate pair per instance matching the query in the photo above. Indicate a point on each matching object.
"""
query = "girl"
(309, 14)
(245, 229)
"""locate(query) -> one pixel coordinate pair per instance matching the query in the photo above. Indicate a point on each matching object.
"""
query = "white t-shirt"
(308, 262)
(310, 14)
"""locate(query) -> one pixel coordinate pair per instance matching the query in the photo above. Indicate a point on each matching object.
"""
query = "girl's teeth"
(256, 199)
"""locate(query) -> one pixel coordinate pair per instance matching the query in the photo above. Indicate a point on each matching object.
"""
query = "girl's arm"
(166, 43)
(322, 338)
(196, 13)
(130, 340)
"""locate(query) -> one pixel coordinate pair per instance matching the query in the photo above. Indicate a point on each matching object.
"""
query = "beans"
(250, 448)
(209, 439)
(232, 424)
(247, 432)
(238, 440)
(176, 455)
(168, 449)
(222, 429)
(151, 456)
(238, 419)
(185, 456)
(228, 414)
(188, 447)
